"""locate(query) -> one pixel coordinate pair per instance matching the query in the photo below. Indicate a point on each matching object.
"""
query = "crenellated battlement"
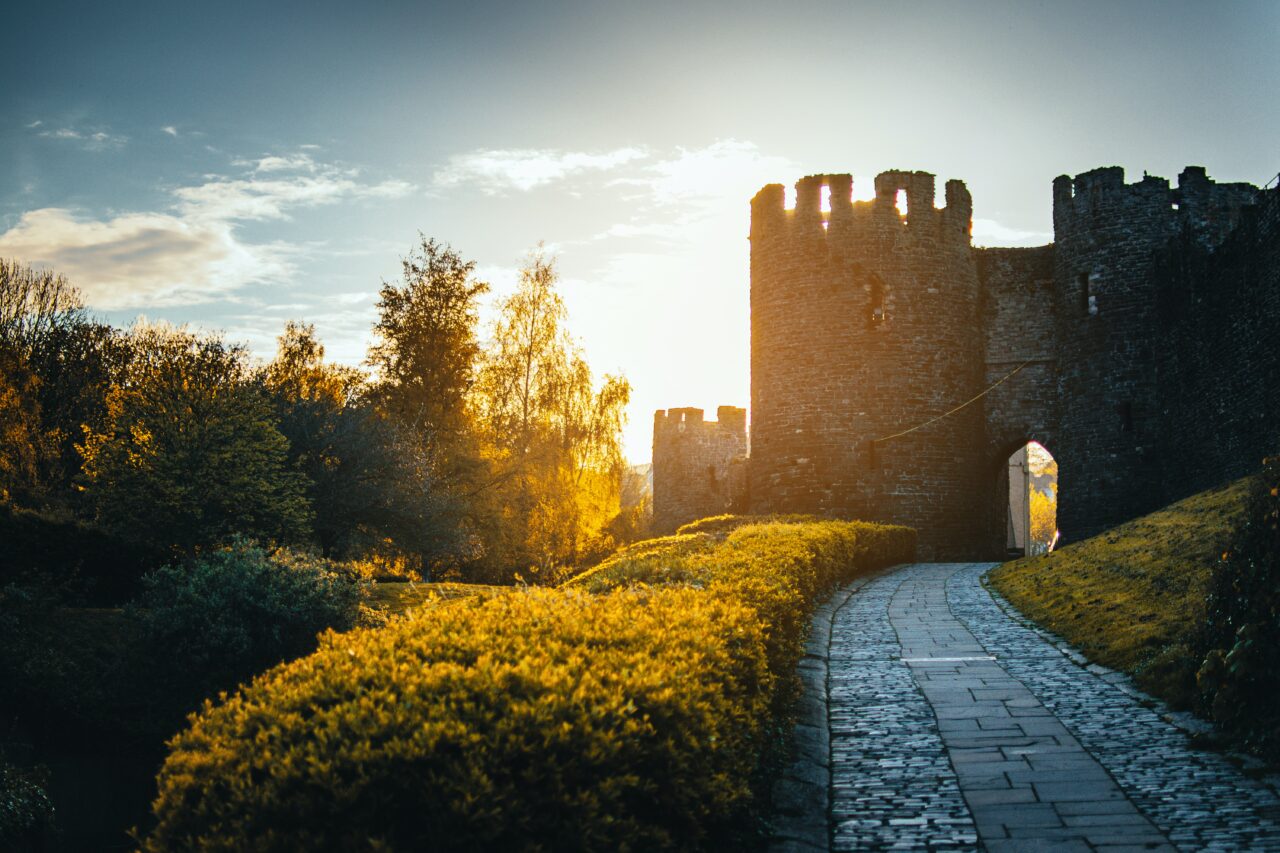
(840, 214)
(1100, 200)
(894, 366)
(699, 466)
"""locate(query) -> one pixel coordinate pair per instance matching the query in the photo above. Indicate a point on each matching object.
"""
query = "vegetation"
(139, 466)
(551, 438)
(26, 813)
(190, 456)
(1132, 598)
(640, 705)
(234, 612)
(1240, 677)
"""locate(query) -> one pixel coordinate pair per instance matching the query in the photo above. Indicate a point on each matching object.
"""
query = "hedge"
(634, 717)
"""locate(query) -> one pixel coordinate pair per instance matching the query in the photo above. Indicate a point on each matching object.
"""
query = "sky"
(236, 165)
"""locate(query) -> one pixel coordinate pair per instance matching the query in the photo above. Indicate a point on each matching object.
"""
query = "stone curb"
(1188, 723)
(801, 819)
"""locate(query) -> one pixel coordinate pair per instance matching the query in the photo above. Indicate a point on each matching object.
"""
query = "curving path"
(953, 725)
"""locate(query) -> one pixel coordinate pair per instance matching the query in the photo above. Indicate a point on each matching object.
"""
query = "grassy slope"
(1129, 598)
(396, 597)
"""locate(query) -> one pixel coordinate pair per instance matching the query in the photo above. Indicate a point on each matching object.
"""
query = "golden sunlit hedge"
(629, 710)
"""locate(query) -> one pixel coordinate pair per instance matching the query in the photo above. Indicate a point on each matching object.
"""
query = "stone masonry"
(699, 466)
(1139, 348)
(951, 724)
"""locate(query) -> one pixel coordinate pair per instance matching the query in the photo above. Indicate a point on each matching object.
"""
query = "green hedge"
(615, 713)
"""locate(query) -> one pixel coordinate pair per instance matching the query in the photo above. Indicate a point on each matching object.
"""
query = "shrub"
(720, 525)
(1240, 677)
(71, 556)
(233, 612)
(637, 717)
(653, 561)
(26, 813)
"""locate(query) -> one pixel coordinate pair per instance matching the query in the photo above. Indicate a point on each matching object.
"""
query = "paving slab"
(956, 725)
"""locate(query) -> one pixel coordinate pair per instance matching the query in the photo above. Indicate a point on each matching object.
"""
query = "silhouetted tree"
(426, 349)
(370, 484)
(56, 367)
(191, 454)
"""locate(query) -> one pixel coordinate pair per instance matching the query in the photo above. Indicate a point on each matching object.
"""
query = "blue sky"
(235, 165)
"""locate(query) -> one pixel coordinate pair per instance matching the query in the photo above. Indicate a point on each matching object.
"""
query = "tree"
(554, 439)
(191, 454)
(1044, 521)
(56, 367)
(367, 480)
(426, 348)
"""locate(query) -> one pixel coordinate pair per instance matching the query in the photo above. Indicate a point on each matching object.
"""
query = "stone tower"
(864, 325)
(1113, 428)
(895, 368)
(699, 466)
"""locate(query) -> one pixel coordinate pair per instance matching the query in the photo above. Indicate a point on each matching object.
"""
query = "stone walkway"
(955, 726)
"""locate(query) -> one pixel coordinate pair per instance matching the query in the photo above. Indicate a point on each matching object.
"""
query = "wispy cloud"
(726, 169)
(91, 139)
(524, 169)
(169, 129)
(192, 252)
(692, 185)
(275, 163)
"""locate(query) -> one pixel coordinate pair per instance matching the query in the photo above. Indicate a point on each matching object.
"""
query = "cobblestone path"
(955, 726)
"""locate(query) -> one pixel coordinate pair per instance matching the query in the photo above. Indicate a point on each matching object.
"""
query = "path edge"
(801, 818)
(1188, 723)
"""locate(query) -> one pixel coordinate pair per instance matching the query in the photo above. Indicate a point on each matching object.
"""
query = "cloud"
(278, 163)
(988, 232)
(726, 169)
(89, 139)
(192, 252)
(495, 171)
(33, 125)
(674, 195)
(142, 259)
(169, 129)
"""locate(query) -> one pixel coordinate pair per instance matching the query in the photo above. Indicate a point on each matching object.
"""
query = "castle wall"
(1219, 366)
(1145, 337)
(699, 466)
(1019, 334)
(862, 327)
(1114, 428)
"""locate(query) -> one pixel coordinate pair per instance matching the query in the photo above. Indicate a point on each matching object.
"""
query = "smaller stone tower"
(699, 466)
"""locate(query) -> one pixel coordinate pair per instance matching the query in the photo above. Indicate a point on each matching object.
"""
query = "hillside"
(1130, 598)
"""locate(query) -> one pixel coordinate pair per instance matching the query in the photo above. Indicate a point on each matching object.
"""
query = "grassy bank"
(1131, 598)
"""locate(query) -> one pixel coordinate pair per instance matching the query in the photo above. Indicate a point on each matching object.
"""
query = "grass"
(1131, 598)
(396, 597)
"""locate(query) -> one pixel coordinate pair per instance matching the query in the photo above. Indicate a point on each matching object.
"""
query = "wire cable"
(957, 408)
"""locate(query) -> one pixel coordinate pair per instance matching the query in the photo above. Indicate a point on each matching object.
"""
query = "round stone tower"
(864, 326)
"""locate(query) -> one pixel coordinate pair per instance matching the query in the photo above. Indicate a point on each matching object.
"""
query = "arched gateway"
(894, 366)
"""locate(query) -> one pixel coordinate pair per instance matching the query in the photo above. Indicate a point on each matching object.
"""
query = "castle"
(895, 367)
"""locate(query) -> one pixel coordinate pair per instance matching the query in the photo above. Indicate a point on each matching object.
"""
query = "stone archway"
(1023, 500)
